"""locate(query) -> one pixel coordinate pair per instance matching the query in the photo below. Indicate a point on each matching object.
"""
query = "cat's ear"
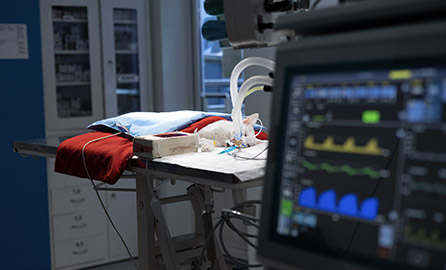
(251, 120)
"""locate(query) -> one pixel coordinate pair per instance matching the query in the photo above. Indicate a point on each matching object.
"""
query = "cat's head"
(248, 133)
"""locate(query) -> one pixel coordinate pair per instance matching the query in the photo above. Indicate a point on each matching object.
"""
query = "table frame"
(164, 251)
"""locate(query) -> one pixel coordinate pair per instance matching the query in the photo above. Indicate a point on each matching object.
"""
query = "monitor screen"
(361, 165)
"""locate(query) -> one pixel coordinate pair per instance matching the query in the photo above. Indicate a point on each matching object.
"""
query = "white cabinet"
(81, 235)
(75, 252)
(94, 56)
(125, 76)
(73, 199)
(78, 223)
(122, 208)
(71, 58)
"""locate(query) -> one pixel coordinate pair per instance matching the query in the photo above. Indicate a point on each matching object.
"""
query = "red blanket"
(106, 159)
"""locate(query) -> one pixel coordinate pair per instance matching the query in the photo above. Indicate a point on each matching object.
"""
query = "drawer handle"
(80, 252)
(79, 226)
(77, 201)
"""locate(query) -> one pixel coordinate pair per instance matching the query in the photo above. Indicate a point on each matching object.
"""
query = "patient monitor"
(356, 172)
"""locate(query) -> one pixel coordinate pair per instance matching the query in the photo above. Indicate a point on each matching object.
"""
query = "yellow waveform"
(349, 146)
(422, 237)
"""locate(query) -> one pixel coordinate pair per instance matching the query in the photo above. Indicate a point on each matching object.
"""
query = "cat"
(220, 133)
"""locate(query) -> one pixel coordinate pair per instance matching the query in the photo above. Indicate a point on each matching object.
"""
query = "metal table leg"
(165, 242)
(213, 250)
(146, 236)
(151, 222)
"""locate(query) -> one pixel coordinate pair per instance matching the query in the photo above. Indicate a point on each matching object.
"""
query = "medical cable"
(100, 199)
(237, 231)
(245, 234)
(250, 158)
(207, 241)
(261, 127)
(239, 214)
(225, 218)
(233, 259)
(227, 215)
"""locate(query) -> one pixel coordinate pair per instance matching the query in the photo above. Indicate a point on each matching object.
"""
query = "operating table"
(156, 248)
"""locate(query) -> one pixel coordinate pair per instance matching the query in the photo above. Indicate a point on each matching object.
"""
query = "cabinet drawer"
(74, 199)
(60, 180)
(81, 250)
(79, 224)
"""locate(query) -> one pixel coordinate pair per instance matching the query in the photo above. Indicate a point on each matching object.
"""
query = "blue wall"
(24, 221)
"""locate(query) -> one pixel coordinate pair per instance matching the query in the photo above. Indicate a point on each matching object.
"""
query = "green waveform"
(374, 174)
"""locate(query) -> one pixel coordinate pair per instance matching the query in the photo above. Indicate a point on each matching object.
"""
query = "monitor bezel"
(405, 46)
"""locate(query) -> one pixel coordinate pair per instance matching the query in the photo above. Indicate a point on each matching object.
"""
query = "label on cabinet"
(79, 224)
(80, 250)
(74, 199)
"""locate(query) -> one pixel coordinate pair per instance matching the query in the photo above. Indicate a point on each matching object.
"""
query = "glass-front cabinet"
(94, 55)
(122, 61)
(71, 63)
(73, 87)
(94, 66)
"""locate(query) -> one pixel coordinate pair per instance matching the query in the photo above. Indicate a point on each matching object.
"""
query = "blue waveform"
(327, 201)
(307, 198)
(369, 208)
(347, 205)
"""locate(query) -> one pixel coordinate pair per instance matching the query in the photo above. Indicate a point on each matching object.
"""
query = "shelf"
(76, 114)
(71, 52)
(216, 107)
(127, 82)
(213, 57)
(126, 52)
(124, 22)
(67, 20)
(128, 92)
(219, 82)
(72, 83)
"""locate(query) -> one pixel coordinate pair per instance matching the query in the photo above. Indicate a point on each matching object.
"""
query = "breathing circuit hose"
(237, 97)
(237, 105)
